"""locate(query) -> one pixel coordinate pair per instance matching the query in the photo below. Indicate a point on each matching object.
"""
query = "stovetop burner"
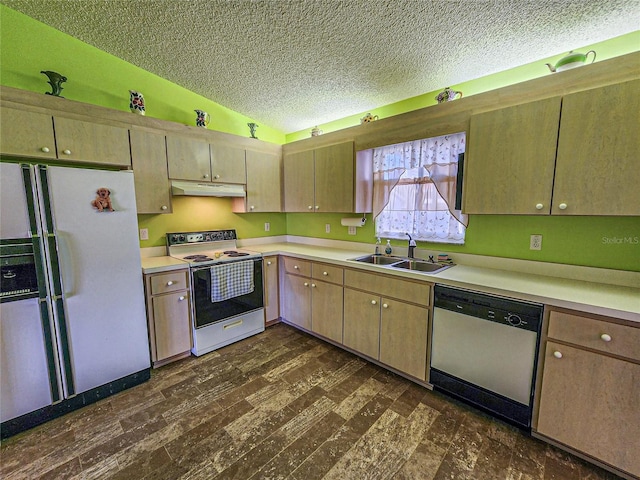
(209, 247)
(234, 253)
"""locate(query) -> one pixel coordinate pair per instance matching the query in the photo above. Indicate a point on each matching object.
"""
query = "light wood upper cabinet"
(597, 170)
(510, 159)
(31, 134)
(26, 134)
(188, 159)
(149, 161)
(299, 182)
(320, 180)
(334, 172)
(264, 185)
(228, 164)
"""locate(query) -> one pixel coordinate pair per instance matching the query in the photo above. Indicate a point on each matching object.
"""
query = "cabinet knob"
(216, 176)
(310, 207)
(557, 354)
(169, 283)
(325, 273)
(306, 284)
(181, 298)
(67, 152)
(384, 305)
(252, 207)
(45, 149)
(606, 337)
(562, 206)
(317, 207)
(269, 262)
(163, 207)
(373, 302)
(206, 175)
(296, 267)
(539, 206)
(313, 285)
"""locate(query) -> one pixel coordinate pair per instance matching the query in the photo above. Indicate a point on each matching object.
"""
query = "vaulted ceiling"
(293, 64)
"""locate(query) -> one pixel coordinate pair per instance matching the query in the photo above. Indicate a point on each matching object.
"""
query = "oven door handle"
(234, 324)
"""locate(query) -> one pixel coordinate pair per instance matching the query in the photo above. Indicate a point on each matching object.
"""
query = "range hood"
(207, 189)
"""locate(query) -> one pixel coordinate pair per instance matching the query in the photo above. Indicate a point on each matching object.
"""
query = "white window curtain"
(414, 189)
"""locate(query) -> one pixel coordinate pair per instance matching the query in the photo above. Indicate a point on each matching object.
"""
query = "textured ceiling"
(293, 64)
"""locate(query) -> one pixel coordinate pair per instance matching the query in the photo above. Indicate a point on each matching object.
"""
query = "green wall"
(28, 46)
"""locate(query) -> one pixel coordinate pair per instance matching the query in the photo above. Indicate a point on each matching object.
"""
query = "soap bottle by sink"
(388, 250)
(378, 243)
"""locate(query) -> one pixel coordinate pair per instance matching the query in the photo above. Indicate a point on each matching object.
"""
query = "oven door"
(209, 309)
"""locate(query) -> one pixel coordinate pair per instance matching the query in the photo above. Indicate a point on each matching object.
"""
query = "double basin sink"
(402, 263)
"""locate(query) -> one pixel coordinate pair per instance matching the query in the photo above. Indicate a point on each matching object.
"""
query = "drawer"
(169, 282)
(328, 273)
(297, 266)
(387, 286)
(600, 335)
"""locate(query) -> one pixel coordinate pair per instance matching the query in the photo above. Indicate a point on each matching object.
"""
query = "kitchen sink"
(420, 266)
(378, 259)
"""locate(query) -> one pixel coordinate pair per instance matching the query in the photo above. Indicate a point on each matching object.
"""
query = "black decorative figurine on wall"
(252, 129)
(55, 80)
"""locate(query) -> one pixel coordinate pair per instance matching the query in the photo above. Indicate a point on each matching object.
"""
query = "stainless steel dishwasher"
(484, 351)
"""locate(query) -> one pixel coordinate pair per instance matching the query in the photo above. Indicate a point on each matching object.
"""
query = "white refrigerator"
(83, 335)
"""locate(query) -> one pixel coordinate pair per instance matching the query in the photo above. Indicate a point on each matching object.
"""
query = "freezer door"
(13, 203)
(24, 372)
(101, 276)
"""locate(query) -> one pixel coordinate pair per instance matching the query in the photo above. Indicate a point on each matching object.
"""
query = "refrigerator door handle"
(57, 297)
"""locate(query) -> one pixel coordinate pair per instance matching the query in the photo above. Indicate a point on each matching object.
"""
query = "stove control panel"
(200, 237)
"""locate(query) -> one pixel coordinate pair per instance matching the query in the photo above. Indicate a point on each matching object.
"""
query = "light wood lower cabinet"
(168, 314)
(271, 290)
(296, 300)
(387, 319)
(590, 400)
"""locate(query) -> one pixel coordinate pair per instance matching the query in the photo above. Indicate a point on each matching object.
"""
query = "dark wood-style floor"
(282, 405)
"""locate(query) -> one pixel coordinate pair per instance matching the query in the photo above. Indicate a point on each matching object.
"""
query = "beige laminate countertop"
(611, 300)
(621, 302)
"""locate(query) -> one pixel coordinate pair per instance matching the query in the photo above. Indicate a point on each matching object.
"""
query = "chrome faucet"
(412, 246)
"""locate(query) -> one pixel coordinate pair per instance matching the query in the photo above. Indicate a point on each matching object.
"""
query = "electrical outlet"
(267, 226)
(144, 234)
(327, 228)
(536, 242)
(352, 230)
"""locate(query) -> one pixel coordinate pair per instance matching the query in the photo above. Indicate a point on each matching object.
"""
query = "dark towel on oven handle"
(230, 280)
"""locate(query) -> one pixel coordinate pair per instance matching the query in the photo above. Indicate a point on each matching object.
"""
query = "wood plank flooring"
(282, 405)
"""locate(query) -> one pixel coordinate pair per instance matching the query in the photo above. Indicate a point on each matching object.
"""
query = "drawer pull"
(296, 267)
(373, 302)
(605, 337)
(557, 354)
(269, 263)
(313, 285)
(325, 273)
(181, 298)
(234, 324)
(169, 283)
(306, 284)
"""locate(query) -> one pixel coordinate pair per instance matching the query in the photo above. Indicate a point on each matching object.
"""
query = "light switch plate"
(327, 228)
(267, 226)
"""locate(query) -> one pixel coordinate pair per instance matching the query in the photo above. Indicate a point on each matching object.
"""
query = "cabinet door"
(298, 182)
(171, 324)
(362, 322)
(510, 159)
(589, 402)
(149, 162)
(271, 290)
(296, 305)
(597, 167)
(89, 142)
(326, 310)
(264, 185)
(26, 134)
(188, 159)
(403, 337)
(228, 164)
(334, 178)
